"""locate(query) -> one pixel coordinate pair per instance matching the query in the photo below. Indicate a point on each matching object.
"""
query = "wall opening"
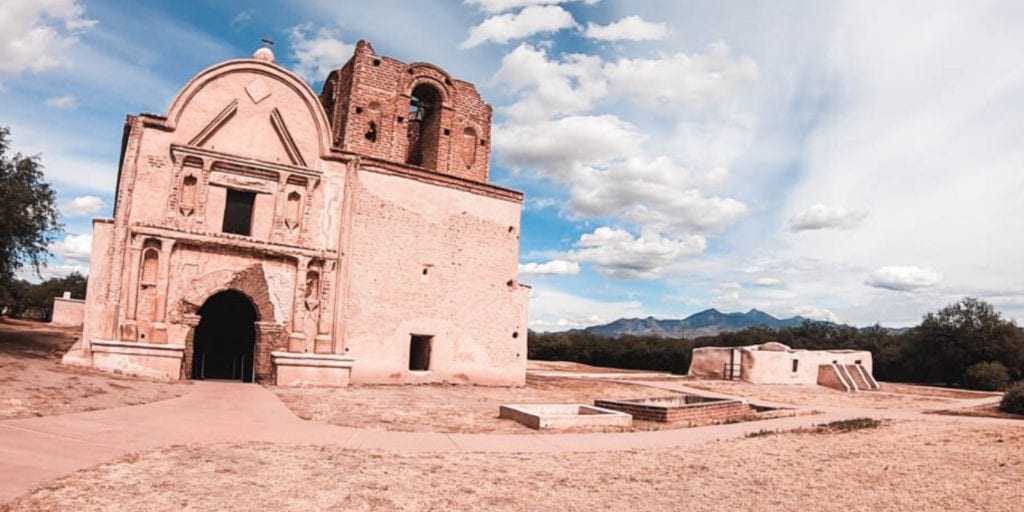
(238, 212)
(424, 129)
(225, 339)
(796, 364)
(419, 352)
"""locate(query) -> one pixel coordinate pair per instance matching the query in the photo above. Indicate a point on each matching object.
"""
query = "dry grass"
(34, 383)
(568, 366)
(906, 466)
(984, 411)
(820, 396)
(912, 389)
(451, 408)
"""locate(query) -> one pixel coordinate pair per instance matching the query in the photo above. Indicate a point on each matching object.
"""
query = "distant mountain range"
(706, 323)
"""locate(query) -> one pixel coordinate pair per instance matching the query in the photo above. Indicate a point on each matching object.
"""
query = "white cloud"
(558, 148)
(813, 313)
(50, 271)
(550, 268)
(555, 310)
(630, 28)
(821, 216)
(574, 83)
(66, 101)
(498, 6)
(904, 279)
(569, 86)
(680, 78)
(532, 20)
(654, 193)
(74, 248)
(241, 19)
(82, 206)
(317, 53)
(37, 35)
(768, 281)
(617, 253)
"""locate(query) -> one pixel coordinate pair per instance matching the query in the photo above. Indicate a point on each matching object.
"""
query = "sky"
(856, 161)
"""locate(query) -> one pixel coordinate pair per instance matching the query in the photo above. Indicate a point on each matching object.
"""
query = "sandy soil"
(449, 408)
(34, 383)
(907, 466)
(820, 396)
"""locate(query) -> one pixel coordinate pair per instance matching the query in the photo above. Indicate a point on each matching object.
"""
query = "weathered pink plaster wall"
(773, 366)
(347, 256)
(68, 311)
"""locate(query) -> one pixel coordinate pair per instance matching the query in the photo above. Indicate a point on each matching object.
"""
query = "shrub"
(1013, 400)
(849, 425)
(987, 376)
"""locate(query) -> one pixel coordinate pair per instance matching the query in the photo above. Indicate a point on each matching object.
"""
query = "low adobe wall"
(68, 311)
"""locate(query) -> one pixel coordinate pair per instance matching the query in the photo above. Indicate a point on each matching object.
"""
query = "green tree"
(965, 333)
(30, 219)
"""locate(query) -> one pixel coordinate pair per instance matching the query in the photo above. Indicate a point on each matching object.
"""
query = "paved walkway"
(34, 451)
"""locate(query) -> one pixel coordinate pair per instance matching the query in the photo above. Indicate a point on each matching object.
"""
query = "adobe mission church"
(263, 233)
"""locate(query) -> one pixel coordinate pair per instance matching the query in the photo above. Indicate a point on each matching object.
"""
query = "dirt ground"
(34, 383)
(451, 408)
(984, 411)
(820, 396)
(905, 466)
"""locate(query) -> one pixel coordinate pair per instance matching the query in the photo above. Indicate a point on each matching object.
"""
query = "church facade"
(264, 233)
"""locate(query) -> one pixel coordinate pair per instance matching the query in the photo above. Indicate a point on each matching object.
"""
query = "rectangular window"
(238, 212)
(796, 364)
(419, 352)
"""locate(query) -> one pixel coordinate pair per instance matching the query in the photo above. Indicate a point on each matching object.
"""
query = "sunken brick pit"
(681, 408)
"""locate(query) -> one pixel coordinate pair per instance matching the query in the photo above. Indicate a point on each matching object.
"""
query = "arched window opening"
(469, 147)
(373, 123)
(424, 129)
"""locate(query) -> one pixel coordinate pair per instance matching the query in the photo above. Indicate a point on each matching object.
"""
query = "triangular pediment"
(250, 130)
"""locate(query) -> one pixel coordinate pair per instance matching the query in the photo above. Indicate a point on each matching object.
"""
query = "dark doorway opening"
(238, 212)
(225, 339)
(419, 352)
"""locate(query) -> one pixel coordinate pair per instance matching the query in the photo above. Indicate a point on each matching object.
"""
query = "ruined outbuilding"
(775, 363)
(262, 232)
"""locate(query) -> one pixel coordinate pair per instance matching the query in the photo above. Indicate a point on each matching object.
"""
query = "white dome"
(264, 54)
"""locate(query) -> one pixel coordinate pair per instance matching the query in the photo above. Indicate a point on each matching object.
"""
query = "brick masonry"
(709, 411)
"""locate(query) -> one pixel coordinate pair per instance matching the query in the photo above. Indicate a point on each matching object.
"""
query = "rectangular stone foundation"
(559, 416)
(680, 408)
(140, 359)
(311, 370)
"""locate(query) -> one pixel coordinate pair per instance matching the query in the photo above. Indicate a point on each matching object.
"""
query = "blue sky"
(858, 161)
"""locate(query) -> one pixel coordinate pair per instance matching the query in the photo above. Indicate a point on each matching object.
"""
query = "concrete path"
(34, 451)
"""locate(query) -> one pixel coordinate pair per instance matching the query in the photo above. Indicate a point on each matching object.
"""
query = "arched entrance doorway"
(225, 339)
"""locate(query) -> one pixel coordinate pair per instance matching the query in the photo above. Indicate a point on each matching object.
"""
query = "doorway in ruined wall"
(224, 343)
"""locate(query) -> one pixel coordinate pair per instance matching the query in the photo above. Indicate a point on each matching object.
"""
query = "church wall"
(429, 260)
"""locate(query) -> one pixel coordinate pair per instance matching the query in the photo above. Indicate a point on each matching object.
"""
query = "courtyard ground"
(904, 465)
(232, 446)
(34, 383)
(458, 408)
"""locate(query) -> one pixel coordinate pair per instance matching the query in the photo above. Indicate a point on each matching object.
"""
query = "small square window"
(238, 212)
(419, 352)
